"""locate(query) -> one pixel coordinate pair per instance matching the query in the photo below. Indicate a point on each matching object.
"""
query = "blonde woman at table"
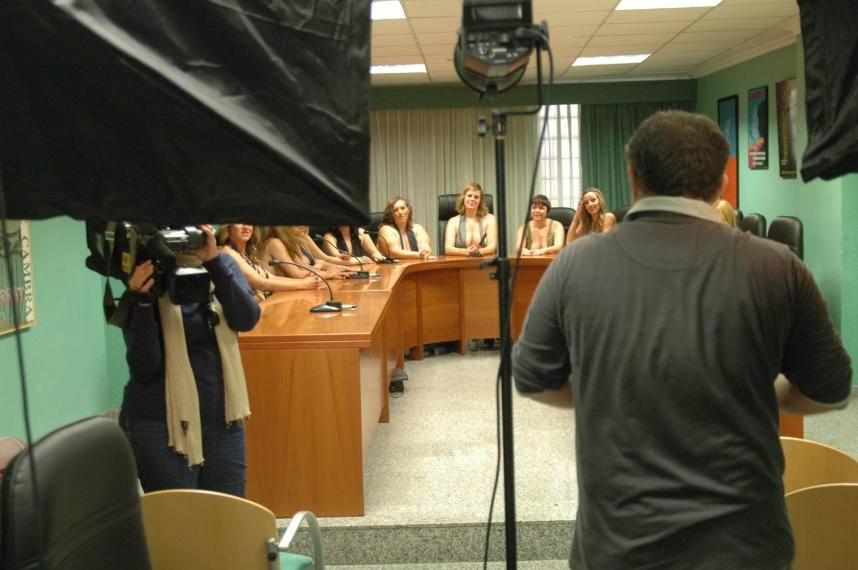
(241, 242)
(541, 235)
(473, 232)
(354, 240)
(726, 213)
(591, 216)
(401, 238)
(289, 243)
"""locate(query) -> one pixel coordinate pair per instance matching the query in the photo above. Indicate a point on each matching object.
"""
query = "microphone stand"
(387, 259)
(330, 306)
(362, 274)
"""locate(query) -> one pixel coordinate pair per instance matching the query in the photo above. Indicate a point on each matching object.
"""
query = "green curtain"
(605, 130)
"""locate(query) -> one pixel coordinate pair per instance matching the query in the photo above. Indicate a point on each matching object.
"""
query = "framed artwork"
(786, 94)
(758, 128)
(18, 293)
(728, 120)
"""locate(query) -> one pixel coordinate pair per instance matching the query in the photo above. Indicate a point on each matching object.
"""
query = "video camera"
(118, 247)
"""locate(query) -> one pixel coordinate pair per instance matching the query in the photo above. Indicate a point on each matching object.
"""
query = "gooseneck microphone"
(362, 274)
(387, 259)
(330, 306)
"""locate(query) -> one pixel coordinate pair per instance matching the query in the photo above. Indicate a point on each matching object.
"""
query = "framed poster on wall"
(20, 291)
(728, 120)
(758, 128)
(786, 95)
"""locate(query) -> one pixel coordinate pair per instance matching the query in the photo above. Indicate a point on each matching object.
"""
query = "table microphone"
(387, 259)
(356, 275)
(330, 306)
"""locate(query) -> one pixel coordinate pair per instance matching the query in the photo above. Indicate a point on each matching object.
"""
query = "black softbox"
(829, 31)
(185, 111)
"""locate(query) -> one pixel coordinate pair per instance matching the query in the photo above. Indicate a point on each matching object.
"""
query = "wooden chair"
(824, 522)
(810, 463)
(190, 529)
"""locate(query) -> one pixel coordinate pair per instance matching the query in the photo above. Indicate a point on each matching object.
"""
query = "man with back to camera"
(671, 355)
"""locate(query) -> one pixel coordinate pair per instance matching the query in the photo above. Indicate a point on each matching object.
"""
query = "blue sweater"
(144, 394)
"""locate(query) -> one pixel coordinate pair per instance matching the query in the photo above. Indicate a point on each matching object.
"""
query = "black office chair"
(562, 215)
(374, 221)
(789, 231)
(754, 223)
(620, 213)
(738, 213)
(318, 230)
(447, 209)
(88, 515)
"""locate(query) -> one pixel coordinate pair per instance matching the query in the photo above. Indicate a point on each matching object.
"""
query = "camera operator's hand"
(142, 280)
(207, 251)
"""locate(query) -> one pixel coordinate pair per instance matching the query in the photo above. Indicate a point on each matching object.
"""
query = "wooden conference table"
(318, 382)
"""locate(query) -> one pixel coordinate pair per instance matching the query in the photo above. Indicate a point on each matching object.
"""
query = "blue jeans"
(159, 467)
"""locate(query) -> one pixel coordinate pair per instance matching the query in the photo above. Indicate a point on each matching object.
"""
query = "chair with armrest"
(738, 213)
(189, 528)
(824, 521)
(620, 213)
(375, 219)
(810, 463)
(447, 209)
(754, 224)
(88, 511)
(562, 215)
(789, 231)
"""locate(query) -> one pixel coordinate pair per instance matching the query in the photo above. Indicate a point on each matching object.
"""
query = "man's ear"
(637, 193)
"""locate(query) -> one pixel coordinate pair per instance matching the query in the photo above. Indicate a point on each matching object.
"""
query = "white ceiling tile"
(396, 59)
(706, 25)
(676, 14)
(381, 27)
(396, 50)
(704, 38)
(446, 67)
(573, 5)
(628, 39)
(570, 41)
(754, 2)
(570, 18)
(432, 8)
(665, 67)
(642, 28)
(446, 50)
(399, 79)
(752, 11)
(394, 40)
(425, 25)
(687, 57)
(674, 47)
(618, 50)
(429, 59)
(437, 38)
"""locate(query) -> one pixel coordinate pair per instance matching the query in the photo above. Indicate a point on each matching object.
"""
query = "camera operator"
(186, 401)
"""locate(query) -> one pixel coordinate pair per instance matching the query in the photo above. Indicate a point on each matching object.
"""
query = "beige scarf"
(183, 405)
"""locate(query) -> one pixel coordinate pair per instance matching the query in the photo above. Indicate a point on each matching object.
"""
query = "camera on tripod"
(118, 247)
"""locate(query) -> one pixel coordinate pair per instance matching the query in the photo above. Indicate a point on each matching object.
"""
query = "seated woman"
(591, 216)
(726, 213)
(289, 243)
(241, 242)
(541, 234)
(354, 240)
(399, 236)
(473, 231)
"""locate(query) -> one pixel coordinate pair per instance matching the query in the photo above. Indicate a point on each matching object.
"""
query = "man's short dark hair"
(675, 153)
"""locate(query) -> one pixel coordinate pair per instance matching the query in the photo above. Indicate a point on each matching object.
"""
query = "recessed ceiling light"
(409, 68)
(387, 10)
(610, 59)
(661, 4)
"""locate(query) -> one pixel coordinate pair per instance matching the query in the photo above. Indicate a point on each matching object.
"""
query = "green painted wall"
(65, 353)
(830, 239)
(442, 96)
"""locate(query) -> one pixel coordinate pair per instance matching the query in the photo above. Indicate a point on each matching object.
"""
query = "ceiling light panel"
(387, 10)
(665, 4)
(402, 68)
(610, 60)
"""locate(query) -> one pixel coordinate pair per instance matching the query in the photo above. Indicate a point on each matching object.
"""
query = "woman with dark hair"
(591, 216)
(241, 242)
(354, 240)
(400, 236)
(541, 234)
(473, 231)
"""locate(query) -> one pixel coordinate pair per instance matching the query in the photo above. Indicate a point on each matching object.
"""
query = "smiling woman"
(591, 216)
(400, 236)
(473, 232)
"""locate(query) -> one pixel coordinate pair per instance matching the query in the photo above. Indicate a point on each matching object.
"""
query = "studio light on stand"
(495, 44)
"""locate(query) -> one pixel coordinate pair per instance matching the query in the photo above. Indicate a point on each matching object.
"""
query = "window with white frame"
(560, 162)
